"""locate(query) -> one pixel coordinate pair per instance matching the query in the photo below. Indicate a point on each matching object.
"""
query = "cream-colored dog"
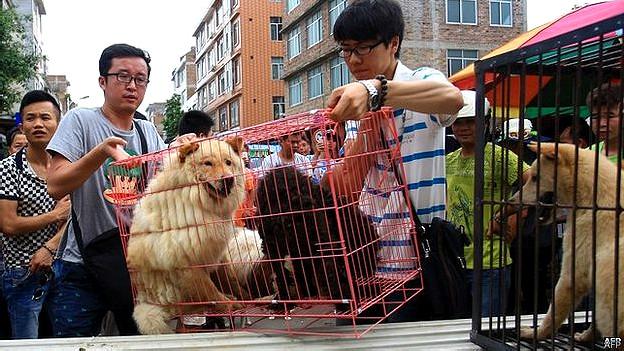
(579, 227)
(182, 230)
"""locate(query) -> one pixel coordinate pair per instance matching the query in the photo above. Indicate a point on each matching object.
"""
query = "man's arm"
(13, 225)
(64, 176)
(348, 176)
(427, 96)
(42, 259)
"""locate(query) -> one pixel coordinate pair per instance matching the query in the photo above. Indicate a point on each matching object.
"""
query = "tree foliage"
(16, 64)
(173, 113)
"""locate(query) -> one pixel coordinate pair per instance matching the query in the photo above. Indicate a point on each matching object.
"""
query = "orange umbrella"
(581, 17)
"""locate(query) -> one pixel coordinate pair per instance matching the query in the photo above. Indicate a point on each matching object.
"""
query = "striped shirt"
(422, 148)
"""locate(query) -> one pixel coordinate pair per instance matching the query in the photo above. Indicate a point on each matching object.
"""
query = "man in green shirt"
(606, 109)
(499, 178)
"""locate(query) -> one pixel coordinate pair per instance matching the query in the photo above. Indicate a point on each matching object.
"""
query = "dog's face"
(216, 166)
(541, 183)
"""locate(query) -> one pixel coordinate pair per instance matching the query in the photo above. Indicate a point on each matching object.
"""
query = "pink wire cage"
(297, 252)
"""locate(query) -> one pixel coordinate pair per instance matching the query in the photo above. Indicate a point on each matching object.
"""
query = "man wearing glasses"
(91, 274)
(370, 33)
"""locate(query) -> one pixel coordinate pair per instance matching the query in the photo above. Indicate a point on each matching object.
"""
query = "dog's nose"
(227, 183)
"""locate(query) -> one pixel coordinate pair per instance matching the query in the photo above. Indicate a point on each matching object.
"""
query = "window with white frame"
(335, 9)
(457, 60)
(315, 82)
(294, 42)
(235, 33)
(279, 107)
(501, 13)
(221, 83)
(338, 72)
(276, 28)
(291, 4)
(212, 90)
(201, 37)
(295, 91)
(223, 122)
(228, 80)
(226, 43)
(277, 67)
(233, 4)
(461, 11)
(220, 49)
(236, 71)
(201, 67)
(315, 29)
(234, 116)
(218, 13)
(202, 96)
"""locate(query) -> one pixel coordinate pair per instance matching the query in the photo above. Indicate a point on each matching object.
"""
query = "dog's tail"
(151, 319)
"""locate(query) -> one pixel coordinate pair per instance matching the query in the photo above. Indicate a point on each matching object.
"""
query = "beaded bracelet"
(383, 91)
(52, 253)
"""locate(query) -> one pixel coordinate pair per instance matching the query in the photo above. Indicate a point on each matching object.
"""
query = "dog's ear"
(532, 146)
(185, 150)
(236, 143)
(545, 149)
(548, 151)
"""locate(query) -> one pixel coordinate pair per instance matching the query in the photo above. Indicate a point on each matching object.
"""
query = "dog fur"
(291, 223)
(607, 196)
(185, 220)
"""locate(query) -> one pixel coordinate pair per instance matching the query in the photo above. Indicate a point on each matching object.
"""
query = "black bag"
(104, 259)
(446, 292)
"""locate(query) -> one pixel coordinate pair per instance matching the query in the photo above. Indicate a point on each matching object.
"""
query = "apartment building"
(184, 79)
(239, 54)
(445, 34)
(31, 12)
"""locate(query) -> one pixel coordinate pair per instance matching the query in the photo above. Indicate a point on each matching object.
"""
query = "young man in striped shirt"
(370, 34)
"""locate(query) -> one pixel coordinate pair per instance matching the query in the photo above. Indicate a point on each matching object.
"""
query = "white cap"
(470, 107)
(511, 128)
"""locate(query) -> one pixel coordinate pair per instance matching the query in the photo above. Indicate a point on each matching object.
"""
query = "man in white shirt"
(287, 156)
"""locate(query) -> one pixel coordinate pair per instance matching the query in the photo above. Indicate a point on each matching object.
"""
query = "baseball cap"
(470, 107)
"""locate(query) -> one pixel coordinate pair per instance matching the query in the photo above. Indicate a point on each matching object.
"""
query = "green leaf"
(17, 64)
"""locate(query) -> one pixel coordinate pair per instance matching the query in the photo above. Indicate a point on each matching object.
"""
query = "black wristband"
(52, 253)
(383, 91)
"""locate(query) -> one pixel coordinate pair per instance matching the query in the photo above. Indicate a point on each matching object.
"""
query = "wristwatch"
(373, 96)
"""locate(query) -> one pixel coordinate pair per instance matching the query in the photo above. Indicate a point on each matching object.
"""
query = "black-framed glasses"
(43, 280)
(127, 78)
(361, 50)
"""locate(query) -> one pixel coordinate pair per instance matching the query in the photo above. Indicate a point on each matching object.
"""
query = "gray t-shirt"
(79, 132)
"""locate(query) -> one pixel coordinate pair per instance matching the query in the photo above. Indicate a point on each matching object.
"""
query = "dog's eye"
(208, 163)
(228, 162)
(534, 178)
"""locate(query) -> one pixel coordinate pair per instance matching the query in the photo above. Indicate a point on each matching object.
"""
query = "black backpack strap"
(420, 228)
(137, 125)
(77, 231)
(19, 162)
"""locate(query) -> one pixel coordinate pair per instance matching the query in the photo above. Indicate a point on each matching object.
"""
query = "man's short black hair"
(371, 20)
(122, 50)
(606, 95)
(11, 134)
(195, 121)
(582, 130)
(35, 96)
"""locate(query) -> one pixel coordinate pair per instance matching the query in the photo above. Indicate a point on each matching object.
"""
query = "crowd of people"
(65, 257)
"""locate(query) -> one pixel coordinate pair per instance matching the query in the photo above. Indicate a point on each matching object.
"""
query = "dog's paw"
(585, 336)
(527, 333)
